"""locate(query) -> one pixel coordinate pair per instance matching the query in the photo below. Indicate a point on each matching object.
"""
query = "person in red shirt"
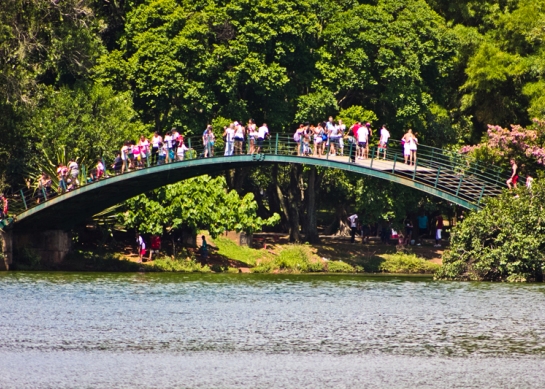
(155, 245)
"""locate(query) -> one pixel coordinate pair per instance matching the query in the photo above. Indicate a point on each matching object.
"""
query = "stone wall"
(46, 246)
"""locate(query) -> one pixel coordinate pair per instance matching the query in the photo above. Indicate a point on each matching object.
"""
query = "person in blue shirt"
(422, 225)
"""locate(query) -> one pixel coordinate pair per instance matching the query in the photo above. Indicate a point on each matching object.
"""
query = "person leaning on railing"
(3, 206)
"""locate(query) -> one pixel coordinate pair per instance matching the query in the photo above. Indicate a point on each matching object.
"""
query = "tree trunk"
(340, 224)
(294, 203)
(277, 201)
(312, 225)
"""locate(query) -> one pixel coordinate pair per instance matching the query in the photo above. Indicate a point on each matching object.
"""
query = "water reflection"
(195, 319)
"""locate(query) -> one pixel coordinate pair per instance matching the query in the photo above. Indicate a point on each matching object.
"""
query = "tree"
(86, 122)
(525, 145)
(192, 205)
(504, 241)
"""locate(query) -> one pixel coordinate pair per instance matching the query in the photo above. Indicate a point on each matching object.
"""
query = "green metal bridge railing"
(443, 170)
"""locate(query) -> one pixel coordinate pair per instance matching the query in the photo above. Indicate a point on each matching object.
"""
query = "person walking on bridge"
(3, 206)
(383, 142)
(407, 142)
(229, 136)
(514, 175)
(262, 134)
(239, 138)
(155, 140)
(252, 136)
(208, 142)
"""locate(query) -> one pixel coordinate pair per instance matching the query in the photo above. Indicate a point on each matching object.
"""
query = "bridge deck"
(441, 173)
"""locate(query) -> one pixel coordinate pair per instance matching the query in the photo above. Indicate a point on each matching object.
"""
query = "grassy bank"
(226, 256)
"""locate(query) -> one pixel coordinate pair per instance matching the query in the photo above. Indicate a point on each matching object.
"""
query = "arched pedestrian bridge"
(446, 175)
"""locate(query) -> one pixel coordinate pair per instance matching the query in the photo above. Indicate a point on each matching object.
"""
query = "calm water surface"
(247, 331)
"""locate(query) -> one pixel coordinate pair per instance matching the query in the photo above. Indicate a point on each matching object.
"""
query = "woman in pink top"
(144, 150)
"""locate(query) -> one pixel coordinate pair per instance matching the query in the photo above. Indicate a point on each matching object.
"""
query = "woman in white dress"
(414, 146)
(407, 141)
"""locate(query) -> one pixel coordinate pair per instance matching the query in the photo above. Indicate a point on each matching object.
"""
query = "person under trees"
(353, 221)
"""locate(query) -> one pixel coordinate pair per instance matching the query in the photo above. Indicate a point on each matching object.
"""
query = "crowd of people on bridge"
(328, 138)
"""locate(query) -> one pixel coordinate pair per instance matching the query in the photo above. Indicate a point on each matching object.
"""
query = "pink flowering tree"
(525, 145)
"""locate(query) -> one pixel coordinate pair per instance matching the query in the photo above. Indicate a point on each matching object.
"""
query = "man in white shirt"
(229, 134)
(383, 143)
(363, 137)
(262, 133)
(353, 220)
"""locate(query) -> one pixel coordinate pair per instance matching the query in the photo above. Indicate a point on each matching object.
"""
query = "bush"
(502, 242)
(180, 265)
(407, 264)
(244, 254)
(339, 267)
(292, 259)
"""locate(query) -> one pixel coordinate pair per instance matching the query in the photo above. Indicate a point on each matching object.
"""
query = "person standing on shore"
(438, 230)
(353, 220)
(141, 247)
(204, 249)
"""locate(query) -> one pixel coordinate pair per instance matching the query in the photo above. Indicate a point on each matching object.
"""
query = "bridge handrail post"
(459, 185)
(415, 167)
(148, 158)
(276, 145)
(372, 156)
(269, 146)
(437, 177)
(394, 167)
(189, 148)
(23, 197)
(43, 192)
(481, 195)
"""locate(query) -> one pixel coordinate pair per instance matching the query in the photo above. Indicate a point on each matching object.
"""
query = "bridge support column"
(7, 249)
(48, 247)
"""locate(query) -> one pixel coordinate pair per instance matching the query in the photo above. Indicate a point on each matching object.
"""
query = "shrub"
(407, 263)
(180, 265)
(502, 242)
(339, 267)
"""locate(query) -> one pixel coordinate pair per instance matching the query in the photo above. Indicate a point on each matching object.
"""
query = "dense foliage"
(445, 68)
(503, 242)
(78, 77)
(194, 204)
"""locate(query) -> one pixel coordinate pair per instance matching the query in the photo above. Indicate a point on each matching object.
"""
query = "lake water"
(76, 330)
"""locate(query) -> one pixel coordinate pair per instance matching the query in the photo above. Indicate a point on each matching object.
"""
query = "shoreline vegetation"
(225, 256)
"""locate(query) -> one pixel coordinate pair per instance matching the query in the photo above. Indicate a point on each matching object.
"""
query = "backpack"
(297, 137)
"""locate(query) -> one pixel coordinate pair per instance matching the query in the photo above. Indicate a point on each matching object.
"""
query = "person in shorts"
(141, 247)
(383, 142)
(155, 246)
(262, 134)
(514, 175)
